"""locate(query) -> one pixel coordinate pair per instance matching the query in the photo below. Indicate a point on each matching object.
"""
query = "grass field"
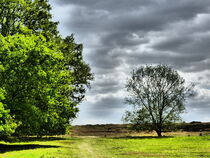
(96, 147)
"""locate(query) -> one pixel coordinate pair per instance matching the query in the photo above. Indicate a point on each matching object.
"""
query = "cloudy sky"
(119, 35)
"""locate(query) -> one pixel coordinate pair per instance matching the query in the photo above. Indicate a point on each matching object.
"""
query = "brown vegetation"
(109, 130)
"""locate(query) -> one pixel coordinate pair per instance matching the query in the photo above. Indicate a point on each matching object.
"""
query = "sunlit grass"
(96, 147)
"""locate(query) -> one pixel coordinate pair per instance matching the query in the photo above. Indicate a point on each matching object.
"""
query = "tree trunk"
(159, 133)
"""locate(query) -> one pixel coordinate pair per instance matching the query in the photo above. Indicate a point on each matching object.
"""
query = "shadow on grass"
(143, 137)
(32, 139)
(6, 147)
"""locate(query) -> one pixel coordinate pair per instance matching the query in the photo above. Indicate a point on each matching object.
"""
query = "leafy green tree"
(36, 104)
(7, 123)
(36, 83)
(157, 94)
(33, 14)
(36, 16)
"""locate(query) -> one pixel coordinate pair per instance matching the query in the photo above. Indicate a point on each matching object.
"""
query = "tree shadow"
(32, 139)
(143, 137)
(6, 147)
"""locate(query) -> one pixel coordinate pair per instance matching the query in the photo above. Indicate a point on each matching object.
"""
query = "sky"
(120, 35)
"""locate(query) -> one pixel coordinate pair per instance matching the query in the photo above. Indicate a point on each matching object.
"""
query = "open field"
(99, 147)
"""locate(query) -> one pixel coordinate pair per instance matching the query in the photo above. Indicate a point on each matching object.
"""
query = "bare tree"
(157, 94)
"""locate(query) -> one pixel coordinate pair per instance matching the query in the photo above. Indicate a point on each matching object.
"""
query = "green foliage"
(44, 75)
(7, 123)
(35, 15)
(81, 71)
(36, 84)
(157, 95)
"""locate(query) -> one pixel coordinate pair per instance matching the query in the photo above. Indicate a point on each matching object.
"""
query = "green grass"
(95, 147)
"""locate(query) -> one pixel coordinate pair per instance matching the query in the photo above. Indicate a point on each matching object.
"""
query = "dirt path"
(88, 150)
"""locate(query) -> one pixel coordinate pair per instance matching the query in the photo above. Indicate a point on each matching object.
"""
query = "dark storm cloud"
(118, 27)
(122, 34)
(184, 8)
(110, 5)
(184, 62)
(171, 44)
(124, 15)
(190, 44)
(123, 39)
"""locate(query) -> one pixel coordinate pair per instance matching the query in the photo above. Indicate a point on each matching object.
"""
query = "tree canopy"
(36, 16)
(43, 76)
(157, 94)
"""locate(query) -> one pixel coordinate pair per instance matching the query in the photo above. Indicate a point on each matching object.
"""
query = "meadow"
(184, 146)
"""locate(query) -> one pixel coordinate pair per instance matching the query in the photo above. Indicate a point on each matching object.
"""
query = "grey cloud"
(106, 106)
(204, 82)
(108, 4)
(106, 85)
(101, 58)
(116, 29)
(110, 102)
(126, 40)
(193, 45)
(122, 34)
(185, 7)
(177, 61)
(141, 15)
(171, 43)
(201, 105)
